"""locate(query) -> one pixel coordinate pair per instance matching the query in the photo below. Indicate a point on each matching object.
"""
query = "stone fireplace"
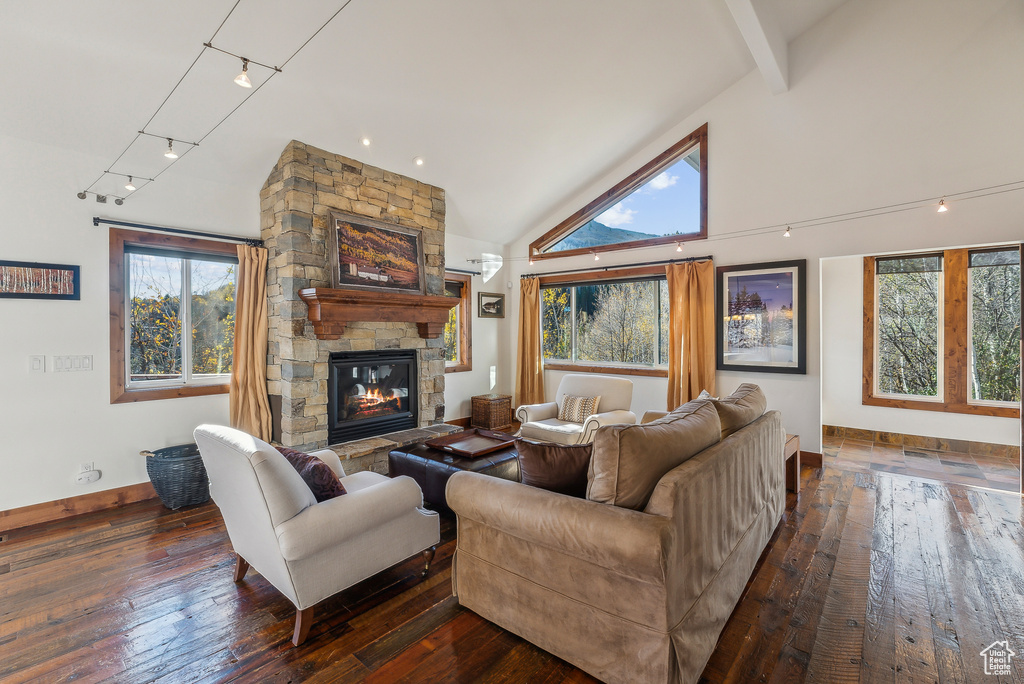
(370, 393)
(305, 185)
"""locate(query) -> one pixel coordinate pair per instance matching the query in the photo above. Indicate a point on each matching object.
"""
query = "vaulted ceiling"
(512, 105)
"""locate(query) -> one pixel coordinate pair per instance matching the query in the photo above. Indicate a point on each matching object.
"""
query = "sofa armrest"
(330, 523)
(528, 413)
(331, 459)
(651, 416)
(620, 539)
(597, 420)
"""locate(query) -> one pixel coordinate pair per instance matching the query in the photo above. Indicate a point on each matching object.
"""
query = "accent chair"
(541, 422)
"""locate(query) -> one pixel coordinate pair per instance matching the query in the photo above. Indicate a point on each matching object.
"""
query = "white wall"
(841, 333)
(491, 356)
(888, 103)
(53, 422)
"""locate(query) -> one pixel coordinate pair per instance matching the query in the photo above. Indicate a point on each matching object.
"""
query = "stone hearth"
(305, 185)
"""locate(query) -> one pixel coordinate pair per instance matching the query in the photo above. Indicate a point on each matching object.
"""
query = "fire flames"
(374, 397)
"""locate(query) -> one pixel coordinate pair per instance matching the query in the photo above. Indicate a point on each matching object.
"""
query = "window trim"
(612, 275)
(954, 333)
(626, 187)
(119, 392)
(465, 317)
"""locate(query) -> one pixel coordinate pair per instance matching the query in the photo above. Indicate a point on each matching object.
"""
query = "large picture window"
(663, 202)
(172, 316)
(942, 331)
(597, 325)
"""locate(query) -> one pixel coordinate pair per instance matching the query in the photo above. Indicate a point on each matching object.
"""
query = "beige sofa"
(635, 583)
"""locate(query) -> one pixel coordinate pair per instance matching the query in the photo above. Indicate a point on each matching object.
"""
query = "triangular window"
(662, 203)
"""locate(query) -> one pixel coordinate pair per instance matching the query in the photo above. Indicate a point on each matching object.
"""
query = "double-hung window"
(618, 324)
(942, 331)
(172, 316)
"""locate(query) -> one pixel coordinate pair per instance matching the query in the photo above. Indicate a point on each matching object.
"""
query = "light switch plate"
(37, 363)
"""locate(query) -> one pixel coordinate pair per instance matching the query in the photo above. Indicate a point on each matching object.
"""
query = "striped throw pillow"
(576, 409)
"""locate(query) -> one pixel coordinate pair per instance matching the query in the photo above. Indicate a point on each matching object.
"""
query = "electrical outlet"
(85, 467)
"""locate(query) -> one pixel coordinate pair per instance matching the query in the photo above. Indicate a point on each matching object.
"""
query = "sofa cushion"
(741, 408)
(555, 467)
(317, 475)
(578, 409)
(628, 460)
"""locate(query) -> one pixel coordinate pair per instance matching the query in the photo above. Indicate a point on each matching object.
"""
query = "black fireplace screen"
(370, 393)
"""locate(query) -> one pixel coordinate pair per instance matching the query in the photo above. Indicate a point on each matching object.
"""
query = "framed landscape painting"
(28, 280)
(373, 255)
(760, 314)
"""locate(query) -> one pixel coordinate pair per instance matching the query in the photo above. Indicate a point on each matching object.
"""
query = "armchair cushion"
(555, 467)
(317, 475)
(552, 430)
(628, 460)
(576, 409)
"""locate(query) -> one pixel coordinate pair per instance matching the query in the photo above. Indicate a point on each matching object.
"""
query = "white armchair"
(308, 550)
(540, 421)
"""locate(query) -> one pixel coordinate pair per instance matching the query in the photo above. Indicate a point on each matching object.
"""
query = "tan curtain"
(691, 349)
(249, 405)
(530, 362)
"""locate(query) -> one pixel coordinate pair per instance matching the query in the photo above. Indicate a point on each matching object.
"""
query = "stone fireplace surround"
(304, 186)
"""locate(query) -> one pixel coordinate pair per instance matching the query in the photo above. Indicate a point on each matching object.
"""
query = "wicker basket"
(492, 412)
(178, 475)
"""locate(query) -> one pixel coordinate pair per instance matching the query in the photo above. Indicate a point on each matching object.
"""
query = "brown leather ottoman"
(431, 468)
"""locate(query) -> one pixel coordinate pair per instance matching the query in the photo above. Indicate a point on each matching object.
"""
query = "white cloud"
(618, 215)
(662, 181)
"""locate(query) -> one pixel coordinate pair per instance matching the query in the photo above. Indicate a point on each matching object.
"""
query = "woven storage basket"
(178, 475)
(492, 412)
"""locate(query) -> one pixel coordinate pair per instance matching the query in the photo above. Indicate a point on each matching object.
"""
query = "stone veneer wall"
(295, 204)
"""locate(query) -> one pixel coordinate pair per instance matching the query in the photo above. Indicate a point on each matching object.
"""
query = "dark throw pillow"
(317, 475)
(558, 468)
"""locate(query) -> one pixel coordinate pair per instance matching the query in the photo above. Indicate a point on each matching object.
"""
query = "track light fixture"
(82, 195)
(242, 79)
(129, 186)
(170, 149)
(787, 233)
(942, 206)
(679, 246)
(597, 257)
(118, 201)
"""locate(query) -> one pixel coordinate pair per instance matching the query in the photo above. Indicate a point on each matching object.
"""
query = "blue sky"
(668, 203)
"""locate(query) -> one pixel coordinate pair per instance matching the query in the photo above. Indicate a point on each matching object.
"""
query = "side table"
(492, 412)
(793, 463)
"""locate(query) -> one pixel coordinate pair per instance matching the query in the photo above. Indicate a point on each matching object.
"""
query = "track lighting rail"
(244, 59)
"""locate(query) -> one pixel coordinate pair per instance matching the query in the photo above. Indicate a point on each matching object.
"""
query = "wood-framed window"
(942, 331)
(615, 321)
(663, 202)
(458, 331)
(160, 287)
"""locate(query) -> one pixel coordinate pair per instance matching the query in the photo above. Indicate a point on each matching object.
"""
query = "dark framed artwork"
(761, 317)
(28, 280)
(373, 255)
(490, 305)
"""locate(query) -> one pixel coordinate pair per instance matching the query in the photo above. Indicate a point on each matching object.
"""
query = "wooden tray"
(470, 443)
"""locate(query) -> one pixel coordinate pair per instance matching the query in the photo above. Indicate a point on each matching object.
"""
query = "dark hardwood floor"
(870, 577)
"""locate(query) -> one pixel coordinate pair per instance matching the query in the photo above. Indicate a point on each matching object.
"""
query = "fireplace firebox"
(370, 393)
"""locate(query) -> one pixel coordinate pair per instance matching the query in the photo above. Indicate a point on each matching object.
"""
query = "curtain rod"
(617, 266)
(462, 270)
(252, 242)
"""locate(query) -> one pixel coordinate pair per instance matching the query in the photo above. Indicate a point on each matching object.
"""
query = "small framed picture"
(28, 280)
(761, 317)
(490, 305)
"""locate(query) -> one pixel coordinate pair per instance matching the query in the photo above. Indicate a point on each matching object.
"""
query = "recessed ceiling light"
(365, 141)
(418, 161)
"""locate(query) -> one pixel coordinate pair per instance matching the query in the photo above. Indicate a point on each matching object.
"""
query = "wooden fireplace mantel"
(331, 310)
